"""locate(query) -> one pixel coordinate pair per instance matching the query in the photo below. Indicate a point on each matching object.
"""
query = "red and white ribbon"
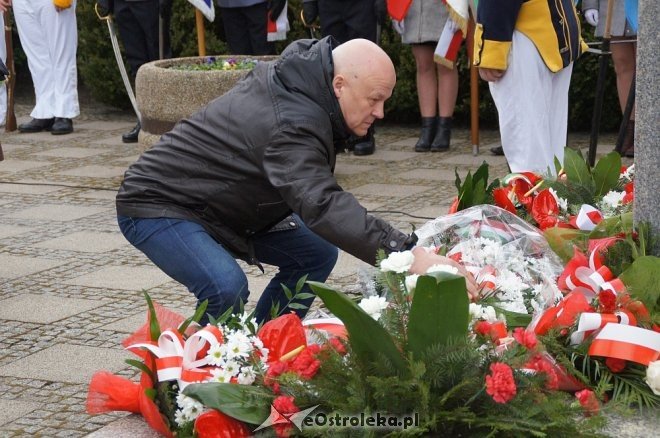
(588, 217)
(627, 343)
(329, 326)
(176, 359)
(590, 322)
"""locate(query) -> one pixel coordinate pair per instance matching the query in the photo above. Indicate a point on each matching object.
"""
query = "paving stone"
(399, 190)
(132, 426)
(86, 241)
(102, 125)
(18, 266)
(43, 309)
(473, 162)
(352, 169)
(13, 230)
(428, 174)
(12, 409)
(100, 194)
(122, 277)
(387, 155)
(56, 212)
(11, 165)
(30, 188)
(348, 265)
(95, 171)
(71, 152)
(67, 363)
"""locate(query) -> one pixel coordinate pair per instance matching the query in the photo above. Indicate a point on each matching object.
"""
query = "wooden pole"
(10, 121)
(199, 24)
(474, 90)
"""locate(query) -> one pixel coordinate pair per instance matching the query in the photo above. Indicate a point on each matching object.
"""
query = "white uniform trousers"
(532, 105)
(3, 88)
(50, 40)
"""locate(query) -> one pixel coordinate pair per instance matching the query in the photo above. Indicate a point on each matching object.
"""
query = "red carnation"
(482, 328)
(306, 364)
(500, 384)
(275, 369)
(540, 364)
(588, 401)
(607, 301)
(525, 338)
(615, 365)
(285, 406)
(337, 345)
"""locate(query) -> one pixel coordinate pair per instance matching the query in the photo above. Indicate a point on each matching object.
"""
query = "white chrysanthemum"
(486, 313)
(561, 202)
(246, 376)
(232, 368)
(264, 354)
(180, 418)
(215, 355)
(653, 376)
(629, 174)
(398, 262)
(220, 375)
(374, 306)
(613, 199)
(238, 345)
(190, 407)
(442, 268)
(411, 282)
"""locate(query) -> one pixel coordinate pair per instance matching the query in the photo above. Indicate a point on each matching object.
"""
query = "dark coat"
(251, 157)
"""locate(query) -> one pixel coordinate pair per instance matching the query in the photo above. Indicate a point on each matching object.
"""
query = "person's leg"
(63, 44)
(558, 113)
(187, 253)
(257, 30)
(331, 17)
(3, 88)
(236, 31)
(624, 59)
(427, 95)
(523, 99)
(447, 94)
(296, 252)
(34, 41)
(360, 20)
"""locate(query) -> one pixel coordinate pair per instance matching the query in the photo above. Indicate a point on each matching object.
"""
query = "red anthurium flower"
(282, 335)
(482, 328)
(500, 384)
(453, 208)
(501, 197)
(545, 209)
(214, 424)
(521, 188)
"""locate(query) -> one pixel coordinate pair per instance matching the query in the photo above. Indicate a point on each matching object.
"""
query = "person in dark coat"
(251, 176)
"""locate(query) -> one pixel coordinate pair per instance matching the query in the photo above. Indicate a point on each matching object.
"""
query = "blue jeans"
(185, 251)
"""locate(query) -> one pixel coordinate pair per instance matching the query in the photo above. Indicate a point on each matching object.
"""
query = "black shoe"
(497, 150)
(364, 148)
(62, 126)
(36, 125)
(429, 126)
(442, 135)
(132, 135)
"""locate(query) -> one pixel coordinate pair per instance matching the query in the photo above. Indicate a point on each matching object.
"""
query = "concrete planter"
(166, 95)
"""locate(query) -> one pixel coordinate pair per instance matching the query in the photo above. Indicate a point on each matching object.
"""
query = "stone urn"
(167, 92)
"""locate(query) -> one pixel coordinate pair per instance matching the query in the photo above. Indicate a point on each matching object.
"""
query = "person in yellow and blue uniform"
(525, 49)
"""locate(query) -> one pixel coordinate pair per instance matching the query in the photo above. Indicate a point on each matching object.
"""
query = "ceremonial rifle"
(10, 122)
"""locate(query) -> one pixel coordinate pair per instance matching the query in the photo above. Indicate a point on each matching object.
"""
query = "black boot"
(132, 135)
(61, 126)
(37, 125)
(442, 135)
(429, 125)
(629, 140)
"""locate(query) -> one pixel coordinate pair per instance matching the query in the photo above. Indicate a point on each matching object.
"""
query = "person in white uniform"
(49, 36)
(3, 57)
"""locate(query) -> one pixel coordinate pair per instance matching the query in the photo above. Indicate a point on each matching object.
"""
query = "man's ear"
(338, 83)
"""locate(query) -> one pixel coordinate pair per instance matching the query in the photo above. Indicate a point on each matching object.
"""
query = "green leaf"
(154, 327)
(479, 192)
(576, 168)
(606, 173)
(287, 292)
(304, 296)
(199, 312)
(481, 174)
(298, 306)
(557, 165)
(514, 319)
(250, 404)
(612, 226)
(562, 240)
(141, 366)
(301, 283)
(439, 312)
(369, 340)
(465, 194)
(642, 279)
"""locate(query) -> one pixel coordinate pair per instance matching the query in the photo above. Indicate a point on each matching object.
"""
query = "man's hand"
(310, 12)
(380, 8)
(4, 5)
(424, 259)
(591, 15)
(275, 8)
(491, 74)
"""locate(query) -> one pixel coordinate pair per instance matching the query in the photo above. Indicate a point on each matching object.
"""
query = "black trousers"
(246, 30)
(137, 22)
(348, 19)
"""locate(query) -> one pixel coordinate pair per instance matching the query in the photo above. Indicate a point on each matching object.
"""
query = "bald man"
(250, 176)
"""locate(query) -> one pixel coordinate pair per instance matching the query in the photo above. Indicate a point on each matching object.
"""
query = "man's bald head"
(364, 78)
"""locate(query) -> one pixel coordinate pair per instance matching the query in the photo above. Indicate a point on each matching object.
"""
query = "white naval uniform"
(50, 40)
(532, 105)
(3, 87)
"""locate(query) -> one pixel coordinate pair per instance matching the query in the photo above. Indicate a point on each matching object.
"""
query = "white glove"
(398, 26)
(591, 15)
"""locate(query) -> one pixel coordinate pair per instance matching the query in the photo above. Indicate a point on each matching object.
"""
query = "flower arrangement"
(220, 63)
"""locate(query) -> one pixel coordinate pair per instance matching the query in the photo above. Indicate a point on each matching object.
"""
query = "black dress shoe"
(36, 125)
(497, 150)
(62, 126)
(364, 148)
(132, 135)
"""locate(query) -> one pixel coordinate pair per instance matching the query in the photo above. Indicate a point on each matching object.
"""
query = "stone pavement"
(70, 285)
